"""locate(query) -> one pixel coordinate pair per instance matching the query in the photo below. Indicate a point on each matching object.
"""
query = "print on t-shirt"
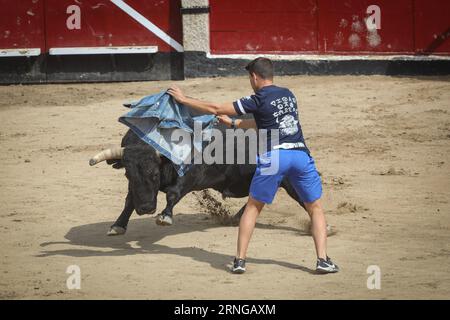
(288, 125)
(274, 107)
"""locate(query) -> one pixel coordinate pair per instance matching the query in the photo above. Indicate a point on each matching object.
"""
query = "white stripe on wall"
(101, 50)
(326, 57)
(148, 25)
(22, 52)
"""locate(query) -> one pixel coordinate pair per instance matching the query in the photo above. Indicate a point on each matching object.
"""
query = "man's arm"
(239, 123)
(202, 106)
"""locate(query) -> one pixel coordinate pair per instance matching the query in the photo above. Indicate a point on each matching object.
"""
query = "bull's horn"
(107, 154)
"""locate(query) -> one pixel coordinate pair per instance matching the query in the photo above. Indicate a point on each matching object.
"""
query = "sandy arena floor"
(382, 145)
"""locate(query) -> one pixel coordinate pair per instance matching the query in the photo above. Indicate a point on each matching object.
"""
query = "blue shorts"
(297, 165)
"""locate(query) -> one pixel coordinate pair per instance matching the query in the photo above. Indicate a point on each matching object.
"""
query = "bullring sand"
(382, 145)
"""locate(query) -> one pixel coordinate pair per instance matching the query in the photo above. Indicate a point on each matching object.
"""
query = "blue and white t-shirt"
(274, 108)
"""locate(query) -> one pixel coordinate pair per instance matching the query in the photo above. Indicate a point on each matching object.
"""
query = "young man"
(273, 108)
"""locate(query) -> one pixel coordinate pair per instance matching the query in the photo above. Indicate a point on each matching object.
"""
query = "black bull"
(148, 172)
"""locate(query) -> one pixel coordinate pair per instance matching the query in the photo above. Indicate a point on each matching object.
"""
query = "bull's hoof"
(116, 231)
(164, 220)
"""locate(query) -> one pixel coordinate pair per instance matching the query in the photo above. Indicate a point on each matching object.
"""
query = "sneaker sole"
(238, 270)
(325, 271)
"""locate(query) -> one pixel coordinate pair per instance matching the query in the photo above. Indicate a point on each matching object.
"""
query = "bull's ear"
(118, 165)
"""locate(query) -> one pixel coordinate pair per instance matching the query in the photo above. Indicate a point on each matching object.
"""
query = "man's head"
(260, 73)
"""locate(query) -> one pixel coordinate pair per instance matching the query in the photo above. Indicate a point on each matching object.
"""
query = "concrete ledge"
(195, 15)
(22, 70)
(199, 64)
(92, 68)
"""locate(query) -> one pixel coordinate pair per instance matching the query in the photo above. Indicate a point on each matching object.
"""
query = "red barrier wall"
(263, 26)
(102, 23)
(329, 26)
(22, 24)
(342, 27)
(432, 26)
(280, 26)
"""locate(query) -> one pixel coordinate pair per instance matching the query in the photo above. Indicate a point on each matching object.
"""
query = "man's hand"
(176, 93)
(240, 123)
(202, 106)
(226, 120)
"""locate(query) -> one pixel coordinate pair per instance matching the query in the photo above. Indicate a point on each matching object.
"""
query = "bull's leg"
(120, 226)
(237, 217)
(173, 195)
(286, 185)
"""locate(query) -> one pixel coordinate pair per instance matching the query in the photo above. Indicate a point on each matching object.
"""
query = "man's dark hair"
(262, 67)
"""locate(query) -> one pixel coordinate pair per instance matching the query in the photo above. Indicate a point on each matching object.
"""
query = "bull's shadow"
(142, 237)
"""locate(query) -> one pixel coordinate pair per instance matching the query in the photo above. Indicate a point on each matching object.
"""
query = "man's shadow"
(143, 234)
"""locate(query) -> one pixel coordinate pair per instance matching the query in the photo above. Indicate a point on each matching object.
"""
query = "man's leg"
(247, 225)
(263, 188)
(318, 227)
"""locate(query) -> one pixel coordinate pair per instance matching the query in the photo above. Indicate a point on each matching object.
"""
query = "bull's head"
(142, 169)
